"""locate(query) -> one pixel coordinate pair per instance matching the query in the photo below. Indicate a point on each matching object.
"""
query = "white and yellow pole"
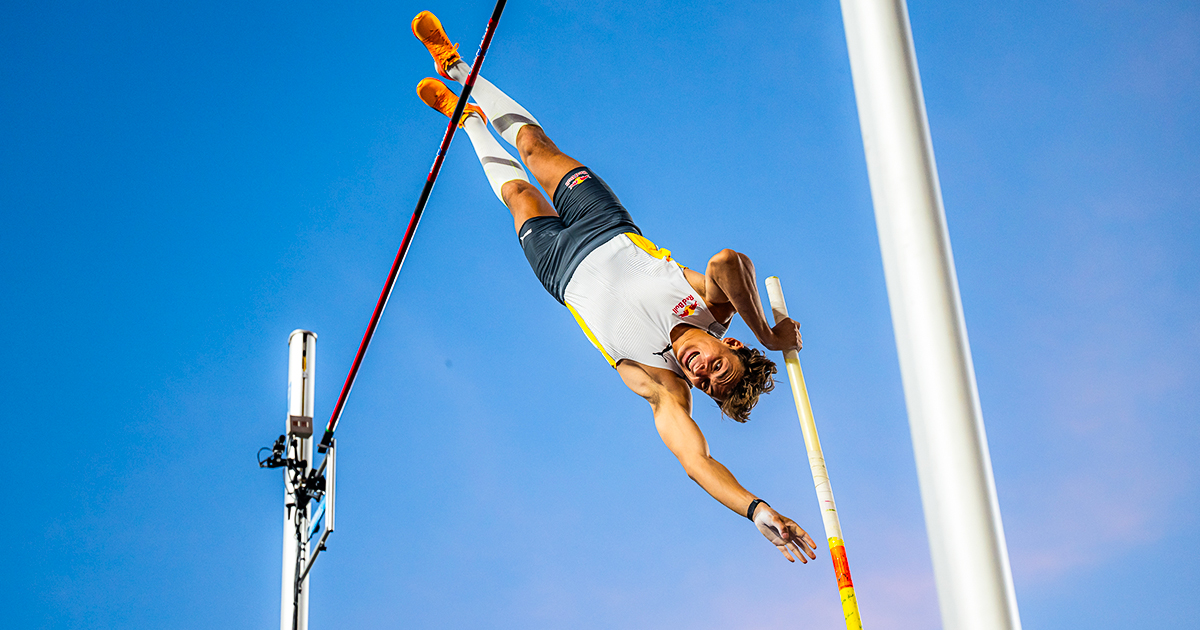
(816, 461)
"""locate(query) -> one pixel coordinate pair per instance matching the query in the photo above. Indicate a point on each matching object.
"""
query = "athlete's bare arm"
(671, 400)
(728, 286)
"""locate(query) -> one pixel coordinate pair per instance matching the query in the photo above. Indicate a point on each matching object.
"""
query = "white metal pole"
(302, 355)
(962, 515)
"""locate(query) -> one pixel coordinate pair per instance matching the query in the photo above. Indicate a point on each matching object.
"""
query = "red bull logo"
(577, 178)
(686, 306)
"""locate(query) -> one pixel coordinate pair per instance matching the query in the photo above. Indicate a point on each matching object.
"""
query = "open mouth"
(690, 360)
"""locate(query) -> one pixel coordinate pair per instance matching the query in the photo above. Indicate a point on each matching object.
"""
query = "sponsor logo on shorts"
(576, 179)
(686, 306)
(522, 239)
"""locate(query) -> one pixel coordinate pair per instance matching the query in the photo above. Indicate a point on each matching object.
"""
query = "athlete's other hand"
(784, 336)
(792, 541)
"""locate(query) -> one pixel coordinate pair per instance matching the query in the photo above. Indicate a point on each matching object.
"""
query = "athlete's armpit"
(656, 385)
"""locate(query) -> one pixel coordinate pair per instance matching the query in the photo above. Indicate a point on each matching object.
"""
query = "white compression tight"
(507, 115)
(499, 167)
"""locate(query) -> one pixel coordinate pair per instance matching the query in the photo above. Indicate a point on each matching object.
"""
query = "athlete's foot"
(435, 94)
(429, 30)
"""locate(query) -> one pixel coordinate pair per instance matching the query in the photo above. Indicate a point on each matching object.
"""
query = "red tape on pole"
(412, 228)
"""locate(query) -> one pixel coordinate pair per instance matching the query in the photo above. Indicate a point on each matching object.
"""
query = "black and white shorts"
(589, 214)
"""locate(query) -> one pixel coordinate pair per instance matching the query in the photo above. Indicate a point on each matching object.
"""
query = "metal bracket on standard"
(309, 483)
(300, 426)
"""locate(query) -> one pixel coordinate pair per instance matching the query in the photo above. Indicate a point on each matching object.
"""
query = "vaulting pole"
(816, 461)
(412, 228)
(962, 514)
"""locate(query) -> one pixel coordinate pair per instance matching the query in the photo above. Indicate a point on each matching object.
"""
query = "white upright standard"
(962, 515)
(302, 355)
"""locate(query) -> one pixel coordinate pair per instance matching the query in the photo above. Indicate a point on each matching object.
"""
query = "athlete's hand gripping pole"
(816, 461)
(412, 228)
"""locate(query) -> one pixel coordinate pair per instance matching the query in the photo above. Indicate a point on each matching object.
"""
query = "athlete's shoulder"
(656, 385)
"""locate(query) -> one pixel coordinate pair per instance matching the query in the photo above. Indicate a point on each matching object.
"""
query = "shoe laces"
(446, 102)
(442, 51)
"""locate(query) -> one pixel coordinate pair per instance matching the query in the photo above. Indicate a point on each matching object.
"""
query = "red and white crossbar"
(412, 228)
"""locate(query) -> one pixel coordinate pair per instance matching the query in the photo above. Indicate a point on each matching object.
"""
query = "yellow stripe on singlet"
(651, 248)
(592, 338)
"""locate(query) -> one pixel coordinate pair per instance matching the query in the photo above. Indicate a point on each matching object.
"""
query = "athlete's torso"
(628, 296)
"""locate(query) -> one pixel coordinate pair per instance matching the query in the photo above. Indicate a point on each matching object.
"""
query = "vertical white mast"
(302, 355)
(962, 515)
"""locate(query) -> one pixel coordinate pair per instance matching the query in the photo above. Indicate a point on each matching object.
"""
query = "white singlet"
(628, 295)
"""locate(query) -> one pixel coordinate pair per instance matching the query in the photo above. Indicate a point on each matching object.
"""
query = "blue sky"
(183, 184)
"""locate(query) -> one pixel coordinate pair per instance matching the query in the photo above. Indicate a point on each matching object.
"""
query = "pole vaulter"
(660, 325)
(412, 228)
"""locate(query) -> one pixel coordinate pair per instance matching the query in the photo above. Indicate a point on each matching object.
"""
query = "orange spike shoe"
(435, 94)
(429, 30)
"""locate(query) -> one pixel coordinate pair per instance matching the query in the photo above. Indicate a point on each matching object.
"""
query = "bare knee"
(524, 201)
(518, 192)
(532, 142)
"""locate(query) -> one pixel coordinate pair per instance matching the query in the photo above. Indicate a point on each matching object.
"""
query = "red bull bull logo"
(686, 306)
(576, 179)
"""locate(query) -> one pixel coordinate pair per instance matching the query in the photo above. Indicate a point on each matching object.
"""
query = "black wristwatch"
(753, 506)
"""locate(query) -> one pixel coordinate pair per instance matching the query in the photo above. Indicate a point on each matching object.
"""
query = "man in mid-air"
(661, 325)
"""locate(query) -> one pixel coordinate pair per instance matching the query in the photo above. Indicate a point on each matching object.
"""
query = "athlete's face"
(710, 364)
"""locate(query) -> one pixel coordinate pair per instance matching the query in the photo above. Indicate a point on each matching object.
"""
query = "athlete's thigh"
(545, 161)
(548, 247)
(525, 202)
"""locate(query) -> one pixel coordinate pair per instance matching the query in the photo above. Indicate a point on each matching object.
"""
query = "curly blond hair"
(757, 379)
